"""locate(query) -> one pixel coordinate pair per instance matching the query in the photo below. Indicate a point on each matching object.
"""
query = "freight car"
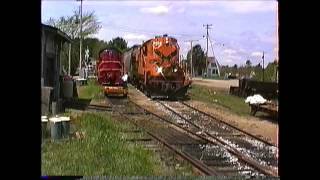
(154, 68)
(110, 73)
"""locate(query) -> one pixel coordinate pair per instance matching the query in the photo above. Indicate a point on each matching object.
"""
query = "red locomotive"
(154, 68)
(110, 73)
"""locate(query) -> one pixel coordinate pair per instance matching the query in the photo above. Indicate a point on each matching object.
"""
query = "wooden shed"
(52, 40)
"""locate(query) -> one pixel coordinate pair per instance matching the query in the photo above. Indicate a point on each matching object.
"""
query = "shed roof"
(63, 35)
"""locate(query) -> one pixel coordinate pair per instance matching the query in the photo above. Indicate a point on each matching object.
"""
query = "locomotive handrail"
(112, 69)
(112, 62)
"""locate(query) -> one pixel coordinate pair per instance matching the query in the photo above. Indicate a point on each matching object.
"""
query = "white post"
(191, 61)
(80, 36)
(69, 69)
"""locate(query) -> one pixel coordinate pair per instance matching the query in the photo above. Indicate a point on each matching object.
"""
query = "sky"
(241, 29)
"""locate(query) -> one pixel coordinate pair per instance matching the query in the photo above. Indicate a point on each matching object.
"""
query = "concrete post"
(54, 108)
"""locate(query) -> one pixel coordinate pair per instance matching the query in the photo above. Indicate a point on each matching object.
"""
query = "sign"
(156, 44)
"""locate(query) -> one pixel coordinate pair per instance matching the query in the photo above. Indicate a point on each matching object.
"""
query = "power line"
(134, 30)
(263, 66)
(211, 46)
(216, 60)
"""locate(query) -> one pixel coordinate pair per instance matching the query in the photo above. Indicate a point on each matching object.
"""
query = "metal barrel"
(44, 127)
(56, 130)
(65, 124)
(44, 130)
(65, 129)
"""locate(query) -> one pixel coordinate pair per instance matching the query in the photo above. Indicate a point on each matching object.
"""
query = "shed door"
(50, 72)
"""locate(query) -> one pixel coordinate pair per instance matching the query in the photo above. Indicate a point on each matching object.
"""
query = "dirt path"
(222, 85)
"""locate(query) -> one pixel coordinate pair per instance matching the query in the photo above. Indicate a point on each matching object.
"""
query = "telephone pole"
(207, 27)
(191, 65)
(263, 66)
(80, 36)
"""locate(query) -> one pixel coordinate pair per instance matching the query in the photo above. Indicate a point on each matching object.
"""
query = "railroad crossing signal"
(86, 56)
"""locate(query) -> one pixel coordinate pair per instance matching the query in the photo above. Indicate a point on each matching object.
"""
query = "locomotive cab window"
(145, 50)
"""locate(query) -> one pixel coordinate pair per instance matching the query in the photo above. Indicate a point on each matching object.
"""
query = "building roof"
(211, 59)
(63, 35)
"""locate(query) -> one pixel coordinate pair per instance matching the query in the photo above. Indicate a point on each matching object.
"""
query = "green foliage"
(71, 24)
(118, 43)
(198, 59)
(210, 96)
(94, 45)
(92, 91)
(270, 73)
(255, 72)
(102, 152)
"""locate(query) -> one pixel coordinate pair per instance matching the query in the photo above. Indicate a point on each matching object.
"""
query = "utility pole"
(80, 35)
(181, 60)
(69, 68)
(207, 27)
(191, 65)
(263, 66)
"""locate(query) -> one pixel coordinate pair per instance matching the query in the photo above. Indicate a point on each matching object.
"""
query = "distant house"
(213, 67)
(52, 40)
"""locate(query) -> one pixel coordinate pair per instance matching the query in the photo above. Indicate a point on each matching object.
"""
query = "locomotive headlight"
(159, 70)
(124, 77)
(175, 70)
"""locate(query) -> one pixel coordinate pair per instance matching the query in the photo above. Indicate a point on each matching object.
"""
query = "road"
(223, 85)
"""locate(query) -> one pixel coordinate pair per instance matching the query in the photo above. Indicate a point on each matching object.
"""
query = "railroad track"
(208, 155)
(98, 108)
(220, 159)
(259, 154)
(229, 125)
(171, 145)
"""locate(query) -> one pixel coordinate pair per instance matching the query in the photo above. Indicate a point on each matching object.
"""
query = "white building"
(213, 67)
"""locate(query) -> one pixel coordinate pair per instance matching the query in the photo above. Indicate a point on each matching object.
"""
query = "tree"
(258, 66)
(71, 24)
(118, 43)
(198, 59)
(235, 66)
(94, 45)
(269, 73)
(248, 63)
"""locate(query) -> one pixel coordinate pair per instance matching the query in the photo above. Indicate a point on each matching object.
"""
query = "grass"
(103, 151)
(231, 102)
(215, 77)
(91, 91)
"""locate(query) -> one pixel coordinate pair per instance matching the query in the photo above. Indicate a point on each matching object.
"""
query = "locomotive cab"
(111, 73)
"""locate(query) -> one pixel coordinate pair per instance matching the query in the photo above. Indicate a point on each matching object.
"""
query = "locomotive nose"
(166, 50)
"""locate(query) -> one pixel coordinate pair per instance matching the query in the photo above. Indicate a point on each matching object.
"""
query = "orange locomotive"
(111, 73)
(154, 68)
